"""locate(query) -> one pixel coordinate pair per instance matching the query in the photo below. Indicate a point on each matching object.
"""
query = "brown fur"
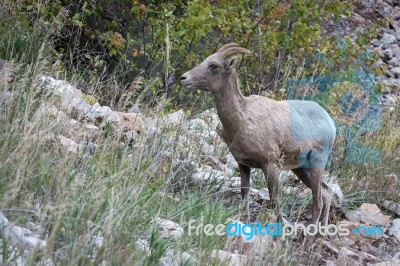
(262, 133)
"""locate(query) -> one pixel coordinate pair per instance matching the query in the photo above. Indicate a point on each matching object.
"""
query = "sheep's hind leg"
(245, 180)
(312, 177)
(271, 176)
(327, 193)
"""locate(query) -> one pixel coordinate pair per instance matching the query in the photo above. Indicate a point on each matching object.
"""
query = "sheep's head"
(212, 74)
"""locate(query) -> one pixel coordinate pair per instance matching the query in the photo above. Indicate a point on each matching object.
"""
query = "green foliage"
(127, 39)
(18, 42)
(89, 99)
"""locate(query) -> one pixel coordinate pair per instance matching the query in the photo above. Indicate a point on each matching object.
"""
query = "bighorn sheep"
(264, 133)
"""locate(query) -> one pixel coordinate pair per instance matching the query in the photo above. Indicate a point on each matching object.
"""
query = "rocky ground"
(213, 166)
(366, 13)
(387, 45)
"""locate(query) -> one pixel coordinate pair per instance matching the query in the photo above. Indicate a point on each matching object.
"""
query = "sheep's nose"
(183, 77)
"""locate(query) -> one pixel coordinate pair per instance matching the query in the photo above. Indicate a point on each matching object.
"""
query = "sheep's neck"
(230, 105)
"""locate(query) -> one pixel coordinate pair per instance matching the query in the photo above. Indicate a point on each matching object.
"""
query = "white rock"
(82, 111)
(228, 258)
(174, 258)
(127, 121)
(68, 144)
(372, 215)
(369, 214)
(213, 134)
(87, 146)
(260, 195)
(81, 131)
(387, 39)
(153, 125)
(394, 262)
(396, 72)
(255, 246)
(390, 83)
(207, 174)
(19, 236)
(391, 206)
(345, 242)
(285, 175)
(207, 148)
(394, 62)
(131, 134)
(391, 98)
(102, 112)
(98, 240)
(353, 215)
(347, 258)
(33, 242)
(375, 42)
(62, 88)
(22, 230)
(253, 192)
(290, 189)
(34, 227)
(264, 194)
(388, 54)
(174, 119)
(358, 234)
(329, 263)
(394, 229)
(358, 255)
(196, 124)
(48, 111)
(231, 162)
(331, 247)
(169, 229)
(396, 14)
(143, 245)
(232, 184)
(211, 118)
(229, 171)
(370, 208)
(98, 114)
(90, 127)
(337, 198)
(79, 109)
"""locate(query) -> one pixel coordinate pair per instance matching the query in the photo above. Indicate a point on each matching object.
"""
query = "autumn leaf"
(143, 8)
(277, 13)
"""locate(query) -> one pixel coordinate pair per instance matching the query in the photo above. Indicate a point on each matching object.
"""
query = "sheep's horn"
(226, 46)
(232, 51)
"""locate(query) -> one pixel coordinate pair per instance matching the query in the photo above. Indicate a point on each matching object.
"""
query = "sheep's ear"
(231, 62)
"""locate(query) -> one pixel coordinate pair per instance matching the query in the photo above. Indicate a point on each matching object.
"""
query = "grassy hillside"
(94, 189)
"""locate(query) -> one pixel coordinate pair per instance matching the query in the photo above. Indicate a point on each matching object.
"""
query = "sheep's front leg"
(272, 177)
(245, 180)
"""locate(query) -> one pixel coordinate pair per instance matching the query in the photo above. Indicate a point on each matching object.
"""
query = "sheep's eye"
(213, 66)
